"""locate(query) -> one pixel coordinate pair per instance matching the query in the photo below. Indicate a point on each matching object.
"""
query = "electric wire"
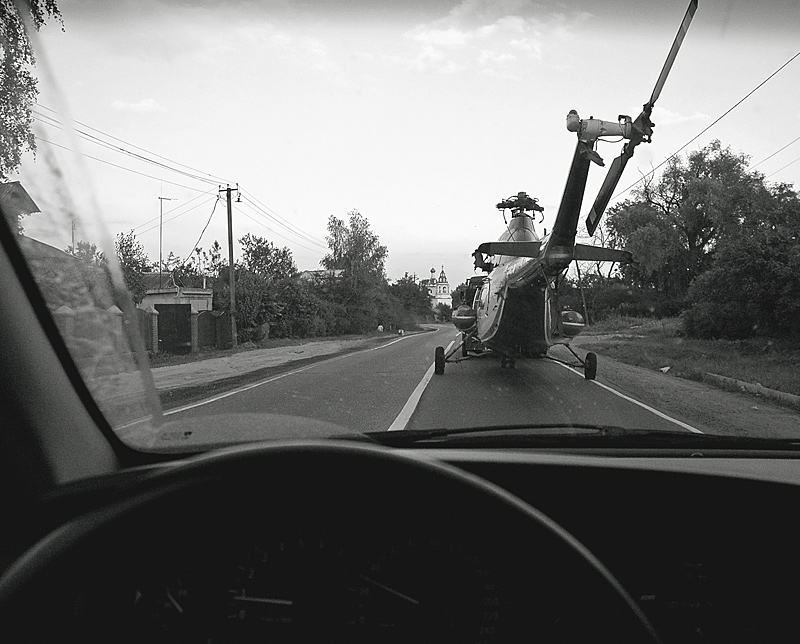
(304, 237)
(783, 168)
(174, 217)
(271, 210)
(173, 209)
(267, 215)
(774, 153)
(216, 178)
(257, 206)
(116, 165)
(274, 232)
(271, 214)
(115, 148)
(202, 232)
(708, 127)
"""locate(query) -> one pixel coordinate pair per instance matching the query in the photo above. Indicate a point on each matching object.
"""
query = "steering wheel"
(423, 552)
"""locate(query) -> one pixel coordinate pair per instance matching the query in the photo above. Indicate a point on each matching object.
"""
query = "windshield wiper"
(571, 435)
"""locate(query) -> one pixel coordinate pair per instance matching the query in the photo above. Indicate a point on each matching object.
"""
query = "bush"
(711, 320)
(608, 298)
(753, 289)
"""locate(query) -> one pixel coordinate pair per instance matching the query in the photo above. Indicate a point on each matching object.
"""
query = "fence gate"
(174, 327)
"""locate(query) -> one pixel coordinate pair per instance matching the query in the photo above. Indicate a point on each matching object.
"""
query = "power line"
(202, 232)
(274, 232)
(155, 154)
(115, 148)
(303, 236)
(774, 153)
(257, 206)
(707, 128)
(288, 225)
(784, 167)
(181, 214)
(116, 165)
(171, 210)
(276, 218)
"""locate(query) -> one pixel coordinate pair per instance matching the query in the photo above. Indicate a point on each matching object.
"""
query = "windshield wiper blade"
(540, 430)
(429, 434)
(573, 435)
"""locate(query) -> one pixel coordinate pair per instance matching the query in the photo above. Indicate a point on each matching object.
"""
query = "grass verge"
(660, 343)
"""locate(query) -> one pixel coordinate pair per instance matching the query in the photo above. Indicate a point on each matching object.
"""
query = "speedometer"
(389, 590)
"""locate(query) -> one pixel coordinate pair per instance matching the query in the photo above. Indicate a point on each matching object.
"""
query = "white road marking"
(233, 392)
(652, 410)
(408, 409)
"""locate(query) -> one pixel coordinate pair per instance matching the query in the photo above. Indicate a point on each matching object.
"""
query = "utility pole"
(228, 190)
(161, 201)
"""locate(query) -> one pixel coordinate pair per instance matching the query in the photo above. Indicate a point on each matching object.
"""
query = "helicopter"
(513, 309)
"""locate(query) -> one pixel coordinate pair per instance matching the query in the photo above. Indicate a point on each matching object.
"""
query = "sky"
(420, 115)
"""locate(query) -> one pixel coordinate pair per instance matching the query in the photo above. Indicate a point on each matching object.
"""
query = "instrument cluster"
(320, 587)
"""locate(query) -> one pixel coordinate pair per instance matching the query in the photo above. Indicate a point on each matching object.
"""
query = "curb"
(756, 388)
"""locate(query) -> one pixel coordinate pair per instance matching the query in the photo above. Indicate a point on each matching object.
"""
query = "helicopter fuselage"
(516, 306)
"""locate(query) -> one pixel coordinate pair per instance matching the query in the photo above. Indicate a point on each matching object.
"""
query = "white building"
(439, 289)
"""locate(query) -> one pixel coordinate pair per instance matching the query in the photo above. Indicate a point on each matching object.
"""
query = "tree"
(263, 258)
(673, 225)
(443, 312)
(210, 262)
(754, 285)
(134, 263)
(18, 90)
(362, 290)
(87, 253)
(411, 298)
(354, 248)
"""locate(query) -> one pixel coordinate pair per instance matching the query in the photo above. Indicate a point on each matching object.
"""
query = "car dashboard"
(704, 545)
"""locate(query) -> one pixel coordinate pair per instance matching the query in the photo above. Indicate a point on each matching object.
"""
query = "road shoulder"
(708, 408)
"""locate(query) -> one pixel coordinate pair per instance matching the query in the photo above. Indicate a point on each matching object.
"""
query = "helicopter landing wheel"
(438, 361)
(590, 366)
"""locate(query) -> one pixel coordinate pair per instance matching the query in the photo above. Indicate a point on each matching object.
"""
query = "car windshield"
(261, 220)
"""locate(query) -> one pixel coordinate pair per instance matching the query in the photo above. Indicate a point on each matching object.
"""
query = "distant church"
(439, 290)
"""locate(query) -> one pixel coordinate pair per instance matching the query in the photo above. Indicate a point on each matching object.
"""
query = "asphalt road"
(392, 386)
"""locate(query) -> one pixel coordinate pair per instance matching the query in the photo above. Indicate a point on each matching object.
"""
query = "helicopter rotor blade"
(673, 52)
(642, 128)
(604, 195)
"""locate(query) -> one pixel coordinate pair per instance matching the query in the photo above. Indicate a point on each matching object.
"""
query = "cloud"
(142, 106)
(530, 46)
(440, 37)
(305, 51)
(488, 57)
(487, 35)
